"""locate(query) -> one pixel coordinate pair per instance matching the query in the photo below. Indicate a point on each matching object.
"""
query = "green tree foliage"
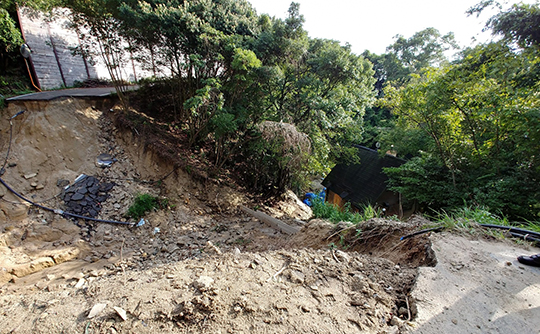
(10, 36)
(231, 71)
(424, 49)
(481, 132)
(318, 85)
(406, 56)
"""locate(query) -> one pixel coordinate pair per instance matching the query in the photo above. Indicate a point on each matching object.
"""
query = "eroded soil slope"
(199, 265)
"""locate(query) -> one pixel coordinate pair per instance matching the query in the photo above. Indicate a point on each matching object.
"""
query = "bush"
(333, 213)
(143, 204)
(275, 160)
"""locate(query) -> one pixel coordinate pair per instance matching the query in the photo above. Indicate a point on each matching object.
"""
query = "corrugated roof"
(361, 183)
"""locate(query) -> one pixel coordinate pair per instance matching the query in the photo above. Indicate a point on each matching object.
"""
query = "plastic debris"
(310, 197)
(156, 230)
(141, 222)
(80, 177)
(105, 160)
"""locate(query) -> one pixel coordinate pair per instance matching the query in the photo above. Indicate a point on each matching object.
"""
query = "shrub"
(143, 204)
(333, 213)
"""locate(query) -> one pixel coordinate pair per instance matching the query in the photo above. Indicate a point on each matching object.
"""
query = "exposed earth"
(204, 265)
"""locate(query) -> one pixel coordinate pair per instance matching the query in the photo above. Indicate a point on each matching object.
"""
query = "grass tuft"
(143, 204)
(333, 213)
(467, 218)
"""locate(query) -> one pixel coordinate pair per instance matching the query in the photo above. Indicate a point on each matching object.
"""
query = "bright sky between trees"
(372, 24)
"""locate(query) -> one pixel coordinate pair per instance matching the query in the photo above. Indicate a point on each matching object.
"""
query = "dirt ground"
(203, 265)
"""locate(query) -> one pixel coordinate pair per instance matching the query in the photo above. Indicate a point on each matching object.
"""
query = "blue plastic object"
(310, 197)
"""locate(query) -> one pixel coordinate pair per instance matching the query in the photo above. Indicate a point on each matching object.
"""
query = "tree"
(424, 49)
(10, 35)
(479, 123)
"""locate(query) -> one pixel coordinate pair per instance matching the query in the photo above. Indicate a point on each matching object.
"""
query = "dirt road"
(477, 286)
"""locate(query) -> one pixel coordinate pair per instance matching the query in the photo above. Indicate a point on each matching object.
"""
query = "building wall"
(333, 198)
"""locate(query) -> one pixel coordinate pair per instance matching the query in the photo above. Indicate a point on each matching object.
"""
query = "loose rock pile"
(85, 196)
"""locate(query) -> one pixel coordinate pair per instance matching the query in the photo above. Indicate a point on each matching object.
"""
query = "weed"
(466, 219)
(242, 241)
(143, 204)
(334, 214)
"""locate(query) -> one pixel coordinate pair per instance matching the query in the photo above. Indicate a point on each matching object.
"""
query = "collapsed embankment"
(201, 264)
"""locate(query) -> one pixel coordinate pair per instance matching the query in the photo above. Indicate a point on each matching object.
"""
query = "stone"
(94, 189)
(77, 196)
(121, 312)
(343, 256)
(80, 283)
(39, 187)
(60, 183)
(97, 309)
(296, 276)
(32, 267)
(211, 248)
(395, 321)
(90, 181)
(403, 311)
(82, 191)
(34, 184)
(5, 276)
(41, 285)
(203, 283)
(29, 176)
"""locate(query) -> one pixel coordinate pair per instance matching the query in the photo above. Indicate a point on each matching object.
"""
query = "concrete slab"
(74, 92)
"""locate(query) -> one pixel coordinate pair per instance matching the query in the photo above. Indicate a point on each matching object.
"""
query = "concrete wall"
(52, 42)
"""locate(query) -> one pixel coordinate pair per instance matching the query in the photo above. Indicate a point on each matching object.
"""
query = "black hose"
(513, 229)
(435, 229)
(57, 211)
(60, 212)
(525, 237)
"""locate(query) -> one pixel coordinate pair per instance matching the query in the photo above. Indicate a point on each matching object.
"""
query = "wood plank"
(273, 222)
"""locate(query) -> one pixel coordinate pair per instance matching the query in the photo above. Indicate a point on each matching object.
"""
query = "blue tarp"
(310, 197)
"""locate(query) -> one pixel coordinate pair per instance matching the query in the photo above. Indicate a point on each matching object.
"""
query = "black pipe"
(525, 237)
(435, 229)
(513, 229)
(60, 212)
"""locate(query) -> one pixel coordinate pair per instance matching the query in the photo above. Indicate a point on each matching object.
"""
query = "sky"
(372, 24)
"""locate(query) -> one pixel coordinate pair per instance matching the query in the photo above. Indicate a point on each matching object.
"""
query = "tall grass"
(333, 213)
(468, 217)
